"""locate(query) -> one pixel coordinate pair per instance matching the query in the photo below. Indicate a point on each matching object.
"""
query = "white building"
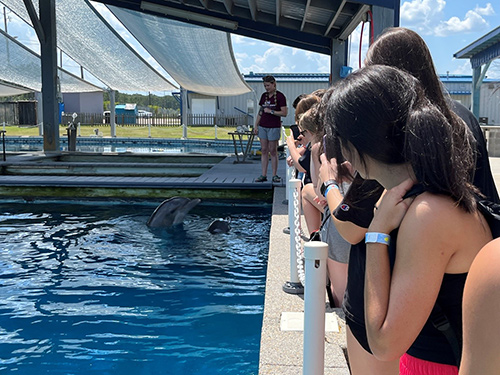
(460, 88)
(290, 84)
(294, 84)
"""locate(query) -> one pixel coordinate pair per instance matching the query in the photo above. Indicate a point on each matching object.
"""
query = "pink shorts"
(409, 365)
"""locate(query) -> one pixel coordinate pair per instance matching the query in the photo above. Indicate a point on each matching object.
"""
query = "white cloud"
(322, 62)
(427, 17)
(241, 55)
(486, 11)
(239, 39)
(473, 21)
(494, 70)
(463, 69)
(275, 59)
(421, 15)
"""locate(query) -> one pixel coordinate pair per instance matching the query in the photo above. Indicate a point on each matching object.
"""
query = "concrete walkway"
(281, 351)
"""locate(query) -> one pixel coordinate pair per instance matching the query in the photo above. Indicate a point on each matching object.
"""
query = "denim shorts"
(271, 134)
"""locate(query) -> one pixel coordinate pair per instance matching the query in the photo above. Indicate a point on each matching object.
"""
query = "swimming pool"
(90, 289)
(139, 145)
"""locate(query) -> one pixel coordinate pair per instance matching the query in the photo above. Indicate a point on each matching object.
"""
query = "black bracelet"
(325, 184)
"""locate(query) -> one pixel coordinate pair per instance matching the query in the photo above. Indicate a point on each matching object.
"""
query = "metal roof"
(459, 92)
(458, 78)
(483, 50)
(289, 77)
(304, 24)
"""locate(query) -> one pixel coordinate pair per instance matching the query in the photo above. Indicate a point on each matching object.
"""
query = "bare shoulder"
(485, 265)
(437, 225)
(428, 209)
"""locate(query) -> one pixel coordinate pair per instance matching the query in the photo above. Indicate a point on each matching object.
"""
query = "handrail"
(3, 144)
(242, 111)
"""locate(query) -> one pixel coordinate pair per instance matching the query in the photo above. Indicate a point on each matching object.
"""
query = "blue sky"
(446, 26)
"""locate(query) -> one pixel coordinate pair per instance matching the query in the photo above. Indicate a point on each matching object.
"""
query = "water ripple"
(88, 289)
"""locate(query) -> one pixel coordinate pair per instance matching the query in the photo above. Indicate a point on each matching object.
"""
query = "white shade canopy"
(198, 58)
(89, 40)
(21, 67)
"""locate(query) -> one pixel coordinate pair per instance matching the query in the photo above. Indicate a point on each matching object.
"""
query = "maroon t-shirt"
(274, 102)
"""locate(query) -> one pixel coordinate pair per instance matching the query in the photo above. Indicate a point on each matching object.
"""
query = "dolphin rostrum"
(219, 226)
(171, 212)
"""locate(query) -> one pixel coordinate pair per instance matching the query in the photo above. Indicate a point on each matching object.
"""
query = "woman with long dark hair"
(406, 50)
(418, 249)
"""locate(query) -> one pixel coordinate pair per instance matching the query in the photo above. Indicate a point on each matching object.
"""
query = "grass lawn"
(132, 131)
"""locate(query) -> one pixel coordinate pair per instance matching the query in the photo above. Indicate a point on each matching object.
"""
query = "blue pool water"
(90, 289)
(138, 145)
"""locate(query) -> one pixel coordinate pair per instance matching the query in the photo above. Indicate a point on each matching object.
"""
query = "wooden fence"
(157, 120)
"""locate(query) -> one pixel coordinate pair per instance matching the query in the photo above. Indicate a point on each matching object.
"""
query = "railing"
(211, 120)
(158, 120)
(308, 276)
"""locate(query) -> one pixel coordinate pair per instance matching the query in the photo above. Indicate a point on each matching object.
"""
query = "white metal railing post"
(289, 174)
(315, 254)
(215, 126)
(294, 286)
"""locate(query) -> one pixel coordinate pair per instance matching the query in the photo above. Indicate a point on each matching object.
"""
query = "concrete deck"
(281, 351)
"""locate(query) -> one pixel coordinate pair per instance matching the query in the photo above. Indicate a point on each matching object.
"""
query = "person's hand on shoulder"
(392, 208)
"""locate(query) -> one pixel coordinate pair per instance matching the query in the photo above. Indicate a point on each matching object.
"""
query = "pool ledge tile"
(294, 321)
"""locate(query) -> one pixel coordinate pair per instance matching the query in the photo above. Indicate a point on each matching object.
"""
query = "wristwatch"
(325, 184)
(272, 112)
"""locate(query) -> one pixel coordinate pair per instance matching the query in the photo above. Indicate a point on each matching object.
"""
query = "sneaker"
(261, 179)
(276, 178)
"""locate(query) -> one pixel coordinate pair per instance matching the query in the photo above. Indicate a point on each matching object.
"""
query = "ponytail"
(440, 153)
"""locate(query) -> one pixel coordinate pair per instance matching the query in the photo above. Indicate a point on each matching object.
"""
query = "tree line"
(158, 104)
(164, 105)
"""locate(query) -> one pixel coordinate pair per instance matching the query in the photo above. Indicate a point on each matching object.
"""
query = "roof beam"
(336, 15)
(355, 20)
(306, 9)
(37, 25)
(252, 5)
(229, 6)
(278, 12)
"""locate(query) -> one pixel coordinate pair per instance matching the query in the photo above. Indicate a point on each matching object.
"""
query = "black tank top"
(431, 344)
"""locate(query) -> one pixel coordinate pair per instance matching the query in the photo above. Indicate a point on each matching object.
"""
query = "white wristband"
(375, 237)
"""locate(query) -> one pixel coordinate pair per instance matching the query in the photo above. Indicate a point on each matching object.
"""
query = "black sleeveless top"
(431, 344)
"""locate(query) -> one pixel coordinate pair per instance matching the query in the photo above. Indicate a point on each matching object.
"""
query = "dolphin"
(171, 212)
(219, 226)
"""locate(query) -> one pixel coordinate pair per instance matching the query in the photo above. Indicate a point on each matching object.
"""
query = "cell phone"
(295, 131)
